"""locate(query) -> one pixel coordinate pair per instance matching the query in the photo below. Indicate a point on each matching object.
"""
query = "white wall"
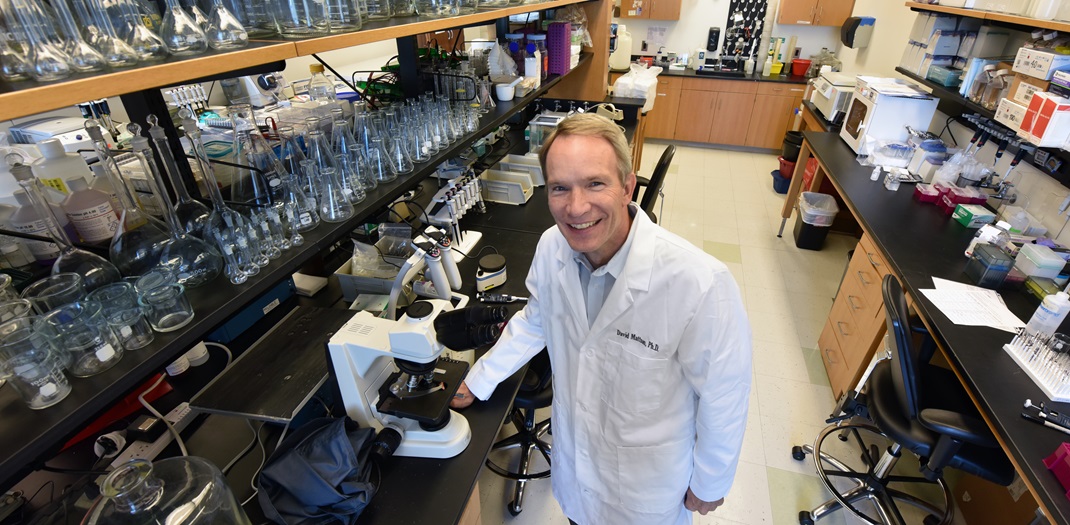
(890, 31)
(697, 16)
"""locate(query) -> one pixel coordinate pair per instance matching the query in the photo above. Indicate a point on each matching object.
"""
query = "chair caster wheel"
(797, 453)
(513, 509)
(805, 519)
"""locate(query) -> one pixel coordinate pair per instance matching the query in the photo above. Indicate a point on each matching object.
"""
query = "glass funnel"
(137, 243)
(192, 215)
(178, 491)
(83, 57)
(180, 32)
(225, 226)
(194, 262)
(225, 31)
(95, 270)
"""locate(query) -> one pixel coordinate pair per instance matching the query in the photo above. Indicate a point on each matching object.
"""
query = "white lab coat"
(649, 400)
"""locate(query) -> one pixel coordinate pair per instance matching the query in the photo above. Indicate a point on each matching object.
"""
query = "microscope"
(392, 376)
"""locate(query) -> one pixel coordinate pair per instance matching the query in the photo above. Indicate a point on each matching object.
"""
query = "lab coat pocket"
(633, 383)
(654, 479)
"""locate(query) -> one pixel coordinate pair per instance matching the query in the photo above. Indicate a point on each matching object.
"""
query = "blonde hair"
(591, 125)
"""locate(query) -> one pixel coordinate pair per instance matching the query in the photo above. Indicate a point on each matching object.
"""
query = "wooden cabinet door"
(731, 118)
(770, 117)
(635, 8)
(661, 122)
(693, 123)
(833, 12)
(663, 9)
(799, 12)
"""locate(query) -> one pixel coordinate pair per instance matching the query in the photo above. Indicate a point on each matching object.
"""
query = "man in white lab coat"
(648, 340)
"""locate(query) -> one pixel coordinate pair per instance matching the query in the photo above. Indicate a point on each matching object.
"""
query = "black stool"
(536, 392)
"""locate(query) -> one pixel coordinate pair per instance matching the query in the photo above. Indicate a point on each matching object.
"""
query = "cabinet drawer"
(720, 86)
(843, 323)
(866, 280)
(835, 366)
(781, 88)
(666, 84)
(873, 256)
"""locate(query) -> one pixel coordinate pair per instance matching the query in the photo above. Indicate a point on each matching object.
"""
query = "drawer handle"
(862, 278)
(829, 356)
(850, 302)
(839, 326)
(871, 261)
(662, 95)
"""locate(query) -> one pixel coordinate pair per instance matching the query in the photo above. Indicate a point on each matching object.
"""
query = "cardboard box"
(982, 501)
(1023, 87)
(1060, 83)
(973, 215)
(1011, 114)
(1039, 63)
(1050, 120)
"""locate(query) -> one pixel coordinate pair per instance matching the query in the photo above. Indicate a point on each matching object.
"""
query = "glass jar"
(81, 329)
(31, 365)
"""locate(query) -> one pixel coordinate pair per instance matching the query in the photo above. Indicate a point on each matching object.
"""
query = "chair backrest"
(657, 179)
(539, 375)
(906, 356)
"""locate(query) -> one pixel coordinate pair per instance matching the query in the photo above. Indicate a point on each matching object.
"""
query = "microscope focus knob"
(420, 310)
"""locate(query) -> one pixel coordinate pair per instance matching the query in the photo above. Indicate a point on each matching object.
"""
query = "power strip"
(180, 418)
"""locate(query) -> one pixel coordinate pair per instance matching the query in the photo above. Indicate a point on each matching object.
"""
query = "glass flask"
(378, 165)
(378, 9)
(194, 262)
(333, 205)
(103, 35)
(137, 243)
(398, 158)
(13, 64)
(225, 226)
(198, 15)
(299, 18)
(178, 491)
(319, 150)
(95, 270)
(291, 155)
(348, 178)
(399, 8)
(225, 31)
(302, 206)
(343, 16)
(46, 59)
(347, 154)
(80, 329)
(146, 44)
(254, 184)
(180, 33)
(467, 7)
(83, 57)
(192, 215)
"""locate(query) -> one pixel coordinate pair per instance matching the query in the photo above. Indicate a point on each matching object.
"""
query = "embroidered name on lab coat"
(633, 337)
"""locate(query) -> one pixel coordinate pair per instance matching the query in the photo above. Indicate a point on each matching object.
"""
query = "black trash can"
(792, 144)
(816, 213)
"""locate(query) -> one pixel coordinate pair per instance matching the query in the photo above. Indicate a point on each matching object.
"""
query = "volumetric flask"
(224, 30)
(31, 365)
(83, 57)
(180, 33)
(81, 329)
(299, 18)
(46, 59)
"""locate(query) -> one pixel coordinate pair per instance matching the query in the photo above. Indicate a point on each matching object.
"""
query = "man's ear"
(630, 183)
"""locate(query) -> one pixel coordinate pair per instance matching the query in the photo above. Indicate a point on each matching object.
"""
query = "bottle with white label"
(27, 220)
(57, 167)
(1050, 314)
(91, 212)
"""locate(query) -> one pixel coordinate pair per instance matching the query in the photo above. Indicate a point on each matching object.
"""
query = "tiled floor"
(723, 202)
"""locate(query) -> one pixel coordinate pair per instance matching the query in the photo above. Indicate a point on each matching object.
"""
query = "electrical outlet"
(180, 417)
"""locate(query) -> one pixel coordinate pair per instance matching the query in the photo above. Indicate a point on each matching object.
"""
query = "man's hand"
(463, 397)
(693, 504)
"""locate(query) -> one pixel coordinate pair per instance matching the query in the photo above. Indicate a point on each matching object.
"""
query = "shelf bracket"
(409, 60)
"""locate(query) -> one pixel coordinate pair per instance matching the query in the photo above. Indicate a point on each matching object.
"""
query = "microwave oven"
(832, 93)
(883, 108)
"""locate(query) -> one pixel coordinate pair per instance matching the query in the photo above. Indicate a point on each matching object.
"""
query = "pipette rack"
(1048, 368)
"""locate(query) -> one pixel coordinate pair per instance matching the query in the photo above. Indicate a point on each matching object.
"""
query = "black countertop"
(920, 243)
(690, 73)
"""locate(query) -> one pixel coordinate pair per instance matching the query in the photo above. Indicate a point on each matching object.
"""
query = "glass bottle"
(320, 88)
(225, 31)
(94, 269)
(977, 90)
(194, 262)
(185, 490)
(137, 243)
(192, 215)
(83, 57)
(90, 212)
(47, 60)
(226, 226)
(333, 205)
(180, 33)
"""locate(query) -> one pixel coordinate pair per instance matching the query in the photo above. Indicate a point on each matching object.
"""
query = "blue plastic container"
(780, 182)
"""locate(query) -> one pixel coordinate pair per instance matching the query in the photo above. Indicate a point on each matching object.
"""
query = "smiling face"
(587, 199)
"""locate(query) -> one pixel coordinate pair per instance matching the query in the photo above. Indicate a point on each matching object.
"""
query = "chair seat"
(943, 386)
(540, 399)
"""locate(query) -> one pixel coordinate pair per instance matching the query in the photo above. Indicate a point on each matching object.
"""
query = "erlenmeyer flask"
(147, 45)
(251, 187)
(343, 15)
(117, 53)
(299, 18)
(347, 177)
(291, 155)
(319, 152)
(194, 262)
(303, 206)
(83, 57)
(398, 158)
(137, 243)
(192, 215)
(225, 31)
(180, 33)
(334, 207)
(226, 226)
(47, 60)
(13, 64)
(95, 270)
(378, 165)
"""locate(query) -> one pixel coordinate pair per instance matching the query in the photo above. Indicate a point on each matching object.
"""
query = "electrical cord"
(51, 491)
(248, 448)
(263, 459)
(74, 472)
(230, 355)
(381, 256)
(476, 256)
(170, 427)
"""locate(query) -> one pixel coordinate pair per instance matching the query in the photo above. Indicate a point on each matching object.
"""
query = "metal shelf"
(28, 435)
(1026, 23)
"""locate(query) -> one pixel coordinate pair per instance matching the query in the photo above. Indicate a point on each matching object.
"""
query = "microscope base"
(440, 444)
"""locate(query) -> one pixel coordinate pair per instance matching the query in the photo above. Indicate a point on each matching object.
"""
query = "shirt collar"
(616, 263)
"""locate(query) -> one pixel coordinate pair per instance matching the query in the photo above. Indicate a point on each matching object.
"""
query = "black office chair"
(536, 391)
(918, 407)
(654, 183)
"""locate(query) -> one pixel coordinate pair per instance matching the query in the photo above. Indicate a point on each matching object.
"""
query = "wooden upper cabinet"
(634, 9)
(814, 12)
(664, 9)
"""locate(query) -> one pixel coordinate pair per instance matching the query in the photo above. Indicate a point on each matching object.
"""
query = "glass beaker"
(378, 9)
(31, 364)
(118, 295)
(343, 15)
(180, 33)
(166, 307)
(400, 8)
(195, 262)
(54, 291)
(225, 31)
(81, 329)
(299, 18)
(15, 309)
(130, 327)
(140, 238)
(167, 491)
(7, 288)
(96, 270)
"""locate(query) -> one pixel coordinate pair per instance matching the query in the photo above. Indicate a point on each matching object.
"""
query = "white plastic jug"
(622, 56)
